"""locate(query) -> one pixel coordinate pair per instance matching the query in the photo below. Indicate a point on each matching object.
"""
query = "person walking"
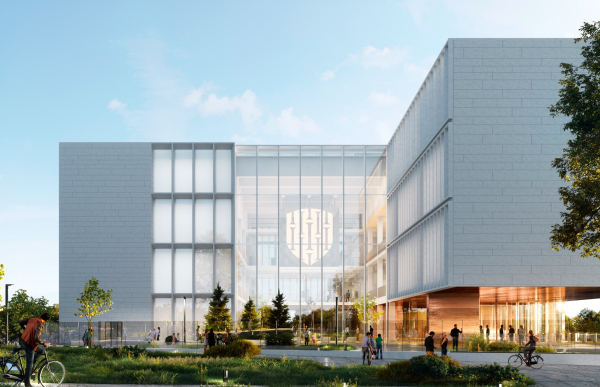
(487, 333)
(29, 341)
(481, 330)
(454, 333)
(367, 349)
(444, 345)
(205, 340)
(521, 333)
(348, 295)
(211, 339)
(501, 332)
(527, 351)
(154, 334)
(429, 347)
(371, 330)
(511, 333)
(85, 338)
(306, 336)
(379, 343)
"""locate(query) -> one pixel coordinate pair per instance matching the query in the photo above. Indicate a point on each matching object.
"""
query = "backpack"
(536, 338)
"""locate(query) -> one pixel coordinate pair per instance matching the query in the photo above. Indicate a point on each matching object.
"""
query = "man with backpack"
(31, 337)
(527, 351)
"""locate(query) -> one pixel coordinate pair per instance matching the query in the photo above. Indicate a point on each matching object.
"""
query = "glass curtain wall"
(192, 232)
(301, 215)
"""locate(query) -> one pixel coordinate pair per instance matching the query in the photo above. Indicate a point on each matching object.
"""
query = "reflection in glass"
(179, 303)
(162, 309)
(223, 220)
(161, 225)
(161, 170)
(223, 269)
(201, 310)
(162, 271)
(183, 270)
(223, 170)
(204, 271)
(183, 170)
(183, 221)
(204, 170)
(204, 220)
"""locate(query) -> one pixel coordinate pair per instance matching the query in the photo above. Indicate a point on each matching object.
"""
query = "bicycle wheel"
(515, 361)
(52, 374)
(537, 362)
(10, 369)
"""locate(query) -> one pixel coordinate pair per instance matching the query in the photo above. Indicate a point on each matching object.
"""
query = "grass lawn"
(101, 366)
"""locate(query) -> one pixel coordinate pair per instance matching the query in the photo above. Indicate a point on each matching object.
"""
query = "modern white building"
(447, 223)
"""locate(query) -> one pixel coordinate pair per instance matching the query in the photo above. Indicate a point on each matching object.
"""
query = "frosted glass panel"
(223, 171)
(201, 310)
(224, 268)
(183, 271)
(204, 271)
(183, 170)
(183, 221)
(204, 170)
(223, 220)
(162, 310)
(162, 221)
(204, 220)
(162, 271)
(179, 303)
(162, 170)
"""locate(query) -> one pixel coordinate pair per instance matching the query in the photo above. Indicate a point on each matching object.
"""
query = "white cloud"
(417, 10)
(291, 125)
(116, 105)
(386, 57)
(384, 99)
(212, 105)
(327, 75)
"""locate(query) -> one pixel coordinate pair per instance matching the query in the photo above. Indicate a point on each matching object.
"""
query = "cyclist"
(527, 351)
(31, 337)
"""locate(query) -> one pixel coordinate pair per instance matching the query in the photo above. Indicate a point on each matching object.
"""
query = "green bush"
(454, 366)
(127, 351)
(252, 337)
(396, 371)
(493, 373)
(476, 343)
(502, 346)
(169, 339)
(239, 348)
(280, 339)
(544, 349)
(428, 367)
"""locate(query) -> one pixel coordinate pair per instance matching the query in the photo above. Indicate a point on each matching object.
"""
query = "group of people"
(211, 339)
(511, 333)
(155, 336)
(370, 346)
(528, 348)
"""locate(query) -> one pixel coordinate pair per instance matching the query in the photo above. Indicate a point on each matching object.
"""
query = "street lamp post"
(336, 320)
(184, 305)
(6, 308)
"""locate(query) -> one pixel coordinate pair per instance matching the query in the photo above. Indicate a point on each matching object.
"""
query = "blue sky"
(286, 72)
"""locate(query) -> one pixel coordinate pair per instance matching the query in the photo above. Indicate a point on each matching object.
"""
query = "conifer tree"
(249, 317)
(219, 315)
(280, 314)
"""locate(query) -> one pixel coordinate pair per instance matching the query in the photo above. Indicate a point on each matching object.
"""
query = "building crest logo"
(309, 231)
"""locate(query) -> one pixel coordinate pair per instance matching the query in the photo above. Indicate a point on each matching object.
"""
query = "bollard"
(225, 376)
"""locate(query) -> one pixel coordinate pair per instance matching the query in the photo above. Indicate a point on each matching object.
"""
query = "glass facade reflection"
(309, 219)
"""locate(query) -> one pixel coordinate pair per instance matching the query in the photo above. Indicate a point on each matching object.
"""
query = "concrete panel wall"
(504, 189)
(106, 226)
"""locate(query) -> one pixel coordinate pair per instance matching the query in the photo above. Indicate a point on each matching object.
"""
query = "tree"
(372, 316)
(93, 302)
(219, 315)
(20, 307)
(579, 164)
(264, 314)
(249, 317)
(280, 314)
(586, 321)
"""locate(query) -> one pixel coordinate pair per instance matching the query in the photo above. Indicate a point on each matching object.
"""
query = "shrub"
(280, 339)
(544, 349)
(493, 373)
(168, 339)
(428, 367)
(502, 346)
(127, 351)
(243, 348)
(396, 371)
(239, 348)
(476, 343)
(454, 366)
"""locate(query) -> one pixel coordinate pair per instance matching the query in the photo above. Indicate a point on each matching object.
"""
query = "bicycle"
(535, 361)
(50, 373)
